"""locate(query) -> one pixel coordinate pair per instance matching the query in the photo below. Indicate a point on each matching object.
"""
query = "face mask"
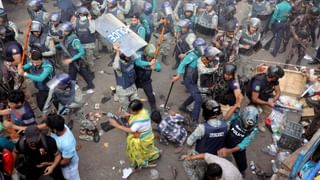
(83, 18)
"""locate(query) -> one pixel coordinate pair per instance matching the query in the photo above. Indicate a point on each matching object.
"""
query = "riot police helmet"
(112, 3)
(188, 7)
(82, 11)
(66, 26)
(230, 11)
(36, 26)
(147, 8)
(211, 52)
(135, 105)
(3, 14)
(167, 8)
(210, 108)
(6, 33)
(185, 23)
(150, 50)
(35, 4)
(255, 23)
(55, 17)
(275, 71)
(210, 2)
(199, 44)
(249, 117)
(230, 69)
(230, 26)
(64, 79)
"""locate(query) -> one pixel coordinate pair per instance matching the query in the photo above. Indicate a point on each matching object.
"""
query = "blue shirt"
(67, 145)
(189, 60)
(279, 14)
(47, 71)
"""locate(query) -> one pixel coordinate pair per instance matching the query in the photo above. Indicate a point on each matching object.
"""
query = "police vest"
(147, 22)
(41, 86)
(39, 17)
(83, 32)
(236, 134)
(128, 75)
(266, 90)
(23, 116)
(39, 42)
(259, 10)
(54, 32)
(136, 28)
(224, 94)
(213, 139)
(143, 75)
(68, 44)
(182, 44)
(191, 72)
(205, 20)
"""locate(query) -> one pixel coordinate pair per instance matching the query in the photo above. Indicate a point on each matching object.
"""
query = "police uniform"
(241, 137)
(229, 46)
(86, 33)
(250, 39)
(262, 10)
(205, 80)
(126, 89)
(209, 138)
(40, 76)
(188, 68)
(302, 29)
(143, 78)
(76, 50)
(147, 22)
(67, 8)
(45, 43)
(116, 12)
(184, 45)
(207, 23)
(139, 29)
(42, 17)
(259, 84)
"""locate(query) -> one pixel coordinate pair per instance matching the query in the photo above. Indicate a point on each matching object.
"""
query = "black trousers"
(41, 97)
(80, 67)
(241, 160)
(148, 90)
(34, 173)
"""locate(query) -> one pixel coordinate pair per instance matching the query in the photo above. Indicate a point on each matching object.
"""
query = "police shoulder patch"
(14, 51)
(257, 88)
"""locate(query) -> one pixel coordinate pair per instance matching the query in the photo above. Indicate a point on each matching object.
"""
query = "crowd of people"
(211, 54)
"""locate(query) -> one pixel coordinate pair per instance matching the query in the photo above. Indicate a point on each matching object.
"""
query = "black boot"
(283, 49)
(313, 62)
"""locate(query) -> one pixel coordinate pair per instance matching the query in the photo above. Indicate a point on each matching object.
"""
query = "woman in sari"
(140, 141)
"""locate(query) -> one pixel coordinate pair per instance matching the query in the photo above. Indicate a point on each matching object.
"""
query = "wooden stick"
(26, 40)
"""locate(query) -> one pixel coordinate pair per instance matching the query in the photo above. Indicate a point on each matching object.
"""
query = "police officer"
(11, 54)
(164, 19)
(74, 52)
(186, 10)
(41, 40)
(4, 21)
(242, 131)
(64, 94)
(301, 30)
(137, 27)
(144, 65)
(207, 22)
(54, 27)
(208, 138)
(227, 16)
(40, 71)
(261, 89)
(126, 89)
(38, 13)
(187, 69)
(207, 67)
(67, 8)
(146, 20)
(110, 6)
(278, 23)
(85, 30)
(228, 42)
(250, 36)
(229, 92)
(261, 9)
(184, 41)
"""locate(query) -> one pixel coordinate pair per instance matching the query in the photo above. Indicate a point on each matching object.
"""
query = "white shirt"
(229, 171)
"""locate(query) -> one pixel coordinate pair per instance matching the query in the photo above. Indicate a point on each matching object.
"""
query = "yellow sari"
(140, 146)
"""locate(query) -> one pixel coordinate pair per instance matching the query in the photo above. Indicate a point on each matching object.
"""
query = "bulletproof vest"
(182, 44)
(39, 42)
(54, 33)
(303, 29)
(205, 19)
(42, 86)
(128, 75)
(37, 16)
(8, 49)
(266, 90)
(224, 95)
(236, 134)
(190, 72)
(143, 74)
(65, 96)
(23, 116)
(114, 11)
(168, 27)
(83, 32)
(136, 28)
(67, 42)
(246, 39)
(213, 138)
(258, 9)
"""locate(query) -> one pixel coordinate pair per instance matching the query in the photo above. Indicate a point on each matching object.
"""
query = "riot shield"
(111, 28)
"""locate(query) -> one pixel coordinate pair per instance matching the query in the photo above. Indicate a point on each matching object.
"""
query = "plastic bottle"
(274, 166)
(154, 174)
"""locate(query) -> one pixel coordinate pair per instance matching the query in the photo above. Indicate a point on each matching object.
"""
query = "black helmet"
(275, 71)
(230, 26)
(314, 12)
(230, 69)
(210, 108)
(6, 33)
(3, 14)
(229, 11)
